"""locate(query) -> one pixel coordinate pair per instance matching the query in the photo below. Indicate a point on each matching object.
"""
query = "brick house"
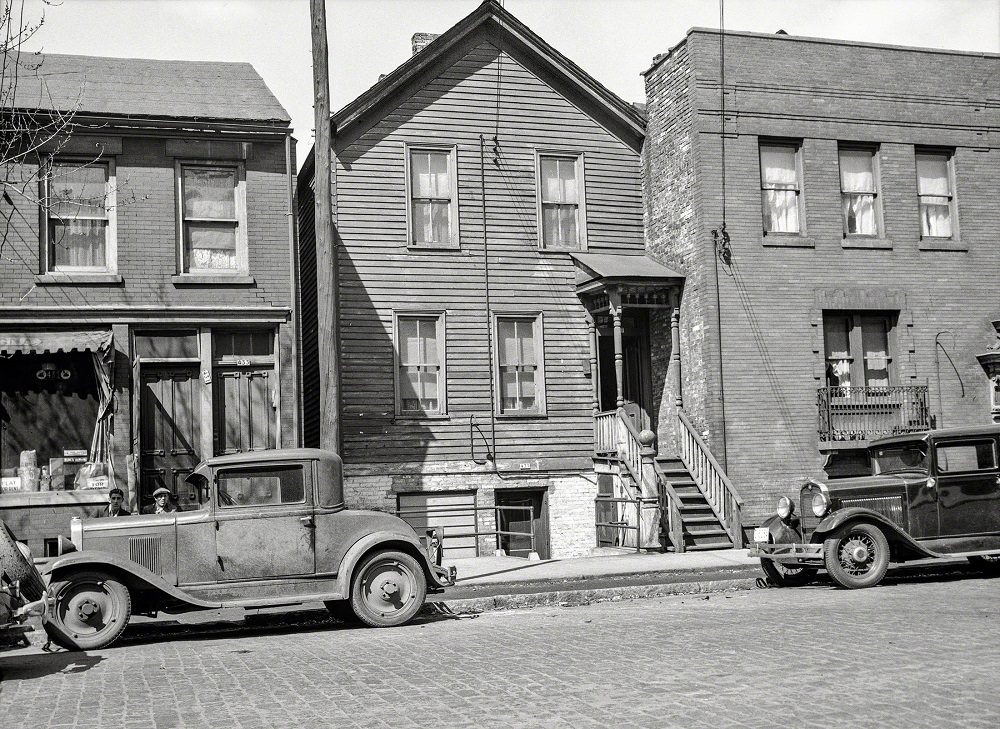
(147, 289)
(853, 291)
(482, 342)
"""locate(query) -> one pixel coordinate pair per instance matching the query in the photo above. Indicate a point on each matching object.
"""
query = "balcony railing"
(866, 413)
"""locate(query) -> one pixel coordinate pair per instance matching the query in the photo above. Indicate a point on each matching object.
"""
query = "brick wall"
(774, 293)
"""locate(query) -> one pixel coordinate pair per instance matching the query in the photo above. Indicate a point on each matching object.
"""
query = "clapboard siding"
(378, 274)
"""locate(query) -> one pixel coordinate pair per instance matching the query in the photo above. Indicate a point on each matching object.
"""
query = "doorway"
(522, 513)
(169, 410)
(636, 377)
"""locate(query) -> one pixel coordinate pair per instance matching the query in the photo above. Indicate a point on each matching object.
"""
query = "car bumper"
(788, 553)
(444, 576)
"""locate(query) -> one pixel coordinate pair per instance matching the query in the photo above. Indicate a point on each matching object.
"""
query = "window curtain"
(934, 189)
(431, 191)
(857, 183)
(779, 180)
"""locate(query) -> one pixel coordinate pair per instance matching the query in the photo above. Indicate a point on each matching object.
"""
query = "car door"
(264, 521)
(968, 486)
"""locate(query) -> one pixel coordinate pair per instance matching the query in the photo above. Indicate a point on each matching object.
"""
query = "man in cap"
(116, 504)
(161, 502)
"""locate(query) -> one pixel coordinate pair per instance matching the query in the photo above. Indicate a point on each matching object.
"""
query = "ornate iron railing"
(866, 413)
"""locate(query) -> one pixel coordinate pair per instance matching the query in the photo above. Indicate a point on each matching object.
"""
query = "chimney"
(420, 41)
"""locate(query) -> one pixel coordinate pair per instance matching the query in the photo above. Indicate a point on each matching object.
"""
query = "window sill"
(942, 244)
(786, 240)
(522, 416)
(441, 248)
(201, 279)
(55, 277)
(865, 241)
(416, 419)
(560, 251)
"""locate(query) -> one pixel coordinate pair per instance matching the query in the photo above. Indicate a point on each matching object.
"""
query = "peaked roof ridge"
(489, 10)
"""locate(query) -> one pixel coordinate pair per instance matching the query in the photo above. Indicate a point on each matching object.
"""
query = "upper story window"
(935, 191)
(858, 348)
(213, 219)
(560, 202)
(433, 202)
(780, 187)
(80, 231)
(420, 373)
(519, 365)
(859, 191)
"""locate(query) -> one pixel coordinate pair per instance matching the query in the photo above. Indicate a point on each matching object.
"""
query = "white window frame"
(440, 328)
(110, 210)
(796, 146)
(876, 192)
(453, 222)
(949, 155)
(581, 186)
(242, 254)
(540, 400)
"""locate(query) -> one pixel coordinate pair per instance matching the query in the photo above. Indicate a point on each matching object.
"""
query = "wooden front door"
(636, 378)
(244, 409)
(521, 514)
(169, 430)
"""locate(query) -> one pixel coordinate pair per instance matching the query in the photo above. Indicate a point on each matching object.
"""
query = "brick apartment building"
(856, 287)
(476, 362)
(147, 286)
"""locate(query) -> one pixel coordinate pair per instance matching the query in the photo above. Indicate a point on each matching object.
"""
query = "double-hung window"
(433, 203)
(780, 187)
(519, 365)
(213, 219)
(859, 191)
(858, 349)
(560, 202)
(420, 371)
(80, 217)
(936, 194)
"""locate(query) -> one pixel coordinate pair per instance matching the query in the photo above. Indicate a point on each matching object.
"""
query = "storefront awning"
(594, 270)
(40, 342)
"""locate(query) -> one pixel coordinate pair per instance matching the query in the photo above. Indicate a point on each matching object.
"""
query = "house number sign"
(242, 362)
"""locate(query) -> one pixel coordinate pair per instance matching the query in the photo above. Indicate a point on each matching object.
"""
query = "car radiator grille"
(891, 507)
(145, 551)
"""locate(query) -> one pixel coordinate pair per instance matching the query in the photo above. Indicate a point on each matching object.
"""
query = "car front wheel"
(91, 609)
(388, 589)
(857, 556)
(786, 575)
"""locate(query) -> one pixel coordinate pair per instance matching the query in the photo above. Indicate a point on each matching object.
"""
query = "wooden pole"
(326, 252)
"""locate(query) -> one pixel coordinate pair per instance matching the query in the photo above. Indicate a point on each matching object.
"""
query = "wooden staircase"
(701, 528)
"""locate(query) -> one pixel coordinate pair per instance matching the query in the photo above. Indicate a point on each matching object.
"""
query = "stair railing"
(639, 457)
(711, 479)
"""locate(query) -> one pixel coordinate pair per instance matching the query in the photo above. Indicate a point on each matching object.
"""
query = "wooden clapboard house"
(496, 307)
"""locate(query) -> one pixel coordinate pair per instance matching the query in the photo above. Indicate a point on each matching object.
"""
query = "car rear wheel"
(91, 609)
(857, 556)
(787, 575)
(990, 564)
(388, 589)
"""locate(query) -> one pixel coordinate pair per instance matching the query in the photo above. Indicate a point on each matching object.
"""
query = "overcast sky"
(613, 40)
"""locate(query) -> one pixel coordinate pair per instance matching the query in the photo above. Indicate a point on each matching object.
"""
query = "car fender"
(378, 539)
(783, 532)
(134, 575)
(892, 531)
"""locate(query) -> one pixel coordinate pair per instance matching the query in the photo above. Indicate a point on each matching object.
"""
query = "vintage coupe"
(930, 494)
(271, 529)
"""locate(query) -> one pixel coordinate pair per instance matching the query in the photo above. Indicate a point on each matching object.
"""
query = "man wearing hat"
(161, 503)
(116, 504)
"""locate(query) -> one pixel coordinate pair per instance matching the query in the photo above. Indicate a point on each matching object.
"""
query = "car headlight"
(820, 504)
(785, 507)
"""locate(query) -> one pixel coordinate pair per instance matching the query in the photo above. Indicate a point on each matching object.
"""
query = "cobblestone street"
(913, 653)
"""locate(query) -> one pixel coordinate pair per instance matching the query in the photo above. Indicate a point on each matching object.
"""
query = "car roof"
(273, 454)
(968, 430)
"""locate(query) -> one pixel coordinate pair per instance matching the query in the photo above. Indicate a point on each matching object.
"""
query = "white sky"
(613, 40)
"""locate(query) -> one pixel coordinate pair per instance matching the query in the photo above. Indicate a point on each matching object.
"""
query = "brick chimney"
(420, 41)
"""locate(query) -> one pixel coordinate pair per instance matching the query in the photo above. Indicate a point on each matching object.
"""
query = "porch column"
(614, 297)
(675, 356)
(594, 384)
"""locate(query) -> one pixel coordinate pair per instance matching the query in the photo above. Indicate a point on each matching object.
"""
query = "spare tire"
(16, 565)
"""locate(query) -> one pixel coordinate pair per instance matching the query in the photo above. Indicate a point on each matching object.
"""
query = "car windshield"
(899, 458)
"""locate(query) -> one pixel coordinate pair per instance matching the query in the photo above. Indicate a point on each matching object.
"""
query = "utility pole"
(328, 331)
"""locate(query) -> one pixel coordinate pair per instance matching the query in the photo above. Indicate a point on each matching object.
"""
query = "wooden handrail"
(711, 459)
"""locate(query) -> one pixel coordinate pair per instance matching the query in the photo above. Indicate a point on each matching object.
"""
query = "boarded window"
(453, 512)
(167, 345)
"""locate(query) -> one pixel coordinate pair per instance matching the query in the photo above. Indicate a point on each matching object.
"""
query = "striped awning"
(41, 342)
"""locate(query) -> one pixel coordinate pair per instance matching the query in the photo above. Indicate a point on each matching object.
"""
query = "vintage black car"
(271, 529)
(931, 494)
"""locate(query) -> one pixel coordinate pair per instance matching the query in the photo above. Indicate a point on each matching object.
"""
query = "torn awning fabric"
(99, 342)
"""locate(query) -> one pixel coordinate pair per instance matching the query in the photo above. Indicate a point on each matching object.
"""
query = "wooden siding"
(379, 274)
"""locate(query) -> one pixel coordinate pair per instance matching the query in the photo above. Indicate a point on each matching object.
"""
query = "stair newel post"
(675, 356)
(649, 494)
(615, 299)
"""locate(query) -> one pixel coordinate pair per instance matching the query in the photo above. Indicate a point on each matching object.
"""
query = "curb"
(565, 598)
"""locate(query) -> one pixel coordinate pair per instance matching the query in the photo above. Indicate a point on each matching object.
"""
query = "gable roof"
(139, 87)
(515, 33)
